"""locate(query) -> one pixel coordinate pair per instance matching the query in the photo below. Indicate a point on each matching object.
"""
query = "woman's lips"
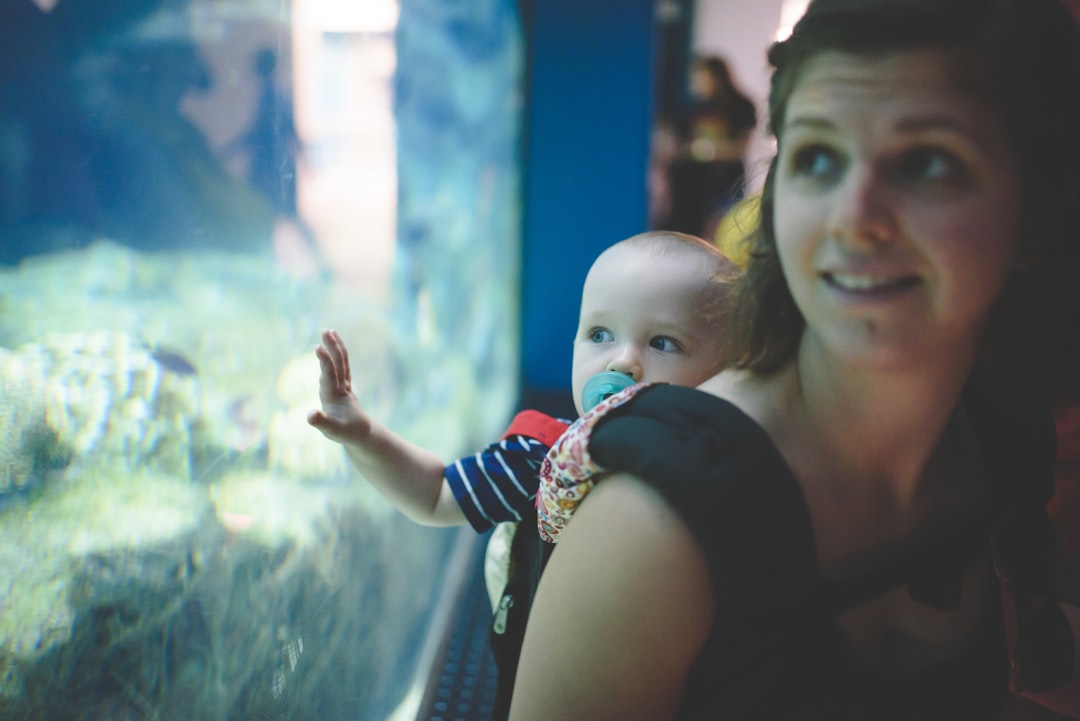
(869, 284)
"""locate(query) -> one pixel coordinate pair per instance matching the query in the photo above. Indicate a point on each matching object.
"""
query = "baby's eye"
(666, 344)
(816, 161)
(929, 164)
(601, 335)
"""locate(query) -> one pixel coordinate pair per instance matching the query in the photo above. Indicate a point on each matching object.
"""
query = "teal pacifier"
(602, 386)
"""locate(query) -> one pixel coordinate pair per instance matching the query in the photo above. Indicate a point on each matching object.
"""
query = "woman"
(806, 535)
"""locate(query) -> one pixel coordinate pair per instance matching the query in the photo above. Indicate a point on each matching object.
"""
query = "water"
(190, 193)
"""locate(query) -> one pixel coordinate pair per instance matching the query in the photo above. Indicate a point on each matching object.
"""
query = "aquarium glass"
(190, 191)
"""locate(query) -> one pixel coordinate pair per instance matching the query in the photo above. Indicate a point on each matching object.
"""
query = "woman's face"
(896, 206)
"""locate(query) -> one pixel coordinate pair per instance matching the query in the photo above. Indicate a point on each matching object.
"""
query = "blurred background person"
(701, 152)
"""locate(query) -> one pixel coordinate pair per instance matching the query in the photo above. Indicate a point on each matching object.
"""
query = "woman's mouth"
(869, 284)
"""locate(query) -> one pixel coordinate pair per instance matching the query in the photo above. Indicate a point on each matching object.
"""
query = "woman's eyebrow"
(911, 124)
(921, 123)
(814, 122)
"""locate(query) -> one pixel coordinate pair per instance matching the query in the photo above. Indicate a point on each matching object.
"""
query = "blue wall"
(588, 119)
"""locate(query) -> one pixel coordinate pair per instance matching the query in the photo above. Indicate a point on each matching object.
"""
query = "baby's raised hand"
(341, 418)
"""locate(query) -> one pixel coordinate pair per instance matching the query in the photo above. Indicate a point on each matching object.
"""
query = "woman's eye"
(929, 164)
(601, 335)
(816, 161)
(665, 344)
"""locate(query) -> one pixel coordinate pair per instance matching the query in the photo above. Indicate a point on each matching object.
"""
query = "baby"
(653, 309)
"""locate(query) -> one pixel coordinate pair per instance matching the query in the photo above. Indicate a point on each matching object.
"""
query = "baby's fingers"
(329, 376)
(328, 426)
(338, 354)
(319, 420)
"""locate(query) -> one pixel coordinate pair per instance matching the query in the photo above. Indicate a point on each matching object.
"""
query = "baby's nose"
(627, 362)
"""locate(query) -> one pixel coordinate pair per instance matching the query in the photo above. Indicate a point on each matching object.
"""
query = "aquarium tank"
(190, 191)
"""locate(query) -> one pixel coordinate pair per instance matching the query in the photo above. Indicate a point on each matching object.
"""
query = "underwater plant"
(29, 446)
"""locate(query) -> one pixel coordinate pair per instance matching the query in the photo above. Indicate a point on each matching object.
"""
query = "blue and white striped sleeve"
(499, 483)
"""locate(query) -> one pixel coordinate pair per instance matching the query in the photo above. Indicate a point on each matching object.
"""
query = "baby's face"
(641, 315)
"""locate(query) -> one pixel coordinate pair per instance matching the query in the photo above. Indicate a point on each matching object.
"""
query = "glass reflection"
(189, 193)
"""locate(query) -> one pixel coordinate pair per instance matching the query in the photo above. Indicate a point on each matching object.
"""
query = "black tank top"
(775, 650)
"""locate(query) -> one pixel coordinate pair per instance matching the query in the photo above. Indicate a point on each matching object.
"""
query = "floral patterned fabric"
(568, 472)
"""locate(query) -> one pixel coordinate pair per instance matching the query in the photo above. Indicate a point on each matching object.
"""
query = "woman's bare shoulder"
(646, 614)
(754, 395)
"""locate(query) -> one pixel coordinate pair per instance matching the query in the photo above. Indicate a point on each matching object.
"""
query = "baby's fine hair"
(669, 242)
(716, 296)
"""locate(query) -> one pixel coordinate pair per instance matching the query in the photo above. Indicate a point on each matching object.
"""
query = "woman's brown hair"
(1025, 57)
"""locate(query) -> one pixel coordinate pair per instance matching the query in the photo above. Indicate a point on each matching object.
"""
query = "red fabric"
(534, 424)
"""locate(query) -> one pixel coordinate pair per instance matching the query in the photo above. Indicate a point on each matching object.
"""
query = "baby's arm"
(408, 476)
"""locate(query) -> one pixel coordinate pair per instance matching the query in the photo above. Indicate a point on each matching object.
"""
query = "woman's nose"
(626, 361)
(863, 209)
